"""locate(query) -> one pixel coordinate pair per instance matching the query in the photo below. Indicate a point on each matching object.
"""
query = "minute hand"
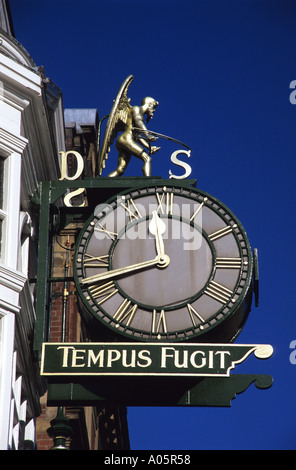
(157, 227)
(161, 261)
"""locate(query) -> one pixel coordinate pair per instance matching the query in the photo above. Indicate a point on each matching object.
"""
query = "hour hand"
(159, 261)
(157, 228)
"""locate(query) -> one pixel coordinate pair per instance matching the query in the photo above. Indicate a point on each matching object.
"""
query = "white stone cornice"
(13, 49)
(6, 307)
(11, 284)
(20, 76)
(12, 279)
(11, 143)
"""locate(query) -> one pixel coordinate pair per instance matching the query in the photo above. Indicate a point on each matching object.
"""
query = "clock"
(163, 263)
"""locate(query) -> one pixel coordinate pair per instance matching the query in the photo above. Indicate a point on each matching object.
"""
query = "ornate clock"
(164, 263)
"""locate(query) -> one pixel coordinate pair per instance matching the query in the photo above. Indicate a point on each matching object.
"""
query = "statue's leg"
(123, 161)
(127, 146)
(147, 164)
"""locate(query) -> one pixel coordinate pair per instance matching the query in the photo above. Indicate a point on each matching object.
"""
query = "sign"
(80, 166)
(148, 359)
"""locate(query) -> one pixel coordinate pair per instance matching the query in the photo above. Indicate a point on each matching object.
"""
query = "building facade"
(32, 133)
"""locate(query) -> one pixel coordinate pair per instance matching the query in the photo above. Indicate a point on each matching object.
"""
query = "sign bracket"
(200, 392)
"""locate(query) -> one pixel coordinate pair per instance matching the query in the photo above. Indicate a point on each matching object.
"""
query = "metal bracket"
(209, 391)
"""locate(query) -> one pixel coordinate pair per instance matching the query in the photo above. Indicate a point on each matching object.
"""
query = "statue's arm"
(138, 120)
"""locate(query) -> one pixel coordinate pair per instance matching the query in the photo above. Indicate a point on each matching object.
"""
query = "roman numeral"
(222, 232)
(165, 203)
(124, 312)
(158, 322)
(103, 292)
(100, 228)
(131, 208)
(90, 261)
(193, 313)
(228, 263)
(198, 209)
(218, 292)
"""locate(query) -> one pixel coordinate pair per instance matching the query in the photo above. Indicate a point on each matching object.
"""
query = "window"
(3, 213)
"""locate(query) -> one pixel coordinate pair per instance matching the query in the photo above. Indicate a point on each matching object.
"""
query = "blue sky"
(221, 71)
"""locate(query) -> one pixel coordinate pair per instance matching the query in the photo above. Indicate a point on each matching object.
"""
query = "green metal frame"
(209, 391)
(48, 197)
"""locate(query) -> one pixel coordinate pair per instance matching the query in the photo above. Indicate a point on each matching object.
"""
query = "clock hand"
(160, 261)
(157, 228)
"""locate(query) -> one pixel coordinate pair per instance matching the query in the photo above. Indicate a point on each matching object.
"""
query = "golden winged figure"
(134, 138)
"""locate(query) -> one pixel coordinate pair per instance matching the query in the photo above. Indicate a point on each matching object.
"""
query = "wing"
(116, 120)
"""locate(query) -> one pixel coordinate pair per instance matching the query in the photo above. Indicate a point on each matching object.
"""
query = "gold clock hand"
(157, 228)
(160, 261)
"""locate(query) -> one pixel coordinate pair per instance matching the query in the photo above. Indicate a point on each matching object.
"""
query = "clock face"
(164, 263)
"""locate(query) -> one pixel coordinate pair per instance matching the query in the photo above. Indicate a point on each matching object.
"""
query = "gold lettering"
(193, 313)
(94, 359)
(123, 312)
(113, 355)
(90, 261)
(76, 192)
(165, 355)
(103, 292)
(218, 292)
(199, 208)
(228, 263)
(222, 232)
(65, 176)
(66, 354)
(142, 356)
(100, 228)
(132, 362)
(64, 165)
(161, 322)
(132, 209)
(176, 161)
(222, 357)
(76, 357)
(165, 203)
(203, 361)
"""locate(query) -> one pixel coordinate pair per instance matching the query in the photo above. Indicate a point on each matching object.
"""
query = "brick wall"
(62, 299)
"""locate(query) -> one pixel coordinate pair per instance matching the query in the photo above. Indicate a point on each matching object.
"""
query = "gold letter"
(75, 357)
(203, 361)
(178, 162)
(222, 357)
(79, 161)
(111, 357)
(66, 354)
(72, 194)
(164, 355)
(93, 359)
(145, 358)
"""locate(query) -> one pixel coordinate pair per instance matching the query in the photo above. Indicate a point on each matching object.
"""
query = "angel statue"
(135, 138)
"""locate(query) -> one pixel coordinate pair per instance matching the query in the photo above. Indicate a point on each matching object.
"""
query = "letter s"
(178, 162)
(76, 192)
(144, 358)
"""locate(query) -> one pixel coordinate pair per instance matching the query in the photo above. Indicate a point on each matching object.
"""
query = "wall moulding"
(13, 49)
(20, 77)
(11, 143)
(12, 279)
